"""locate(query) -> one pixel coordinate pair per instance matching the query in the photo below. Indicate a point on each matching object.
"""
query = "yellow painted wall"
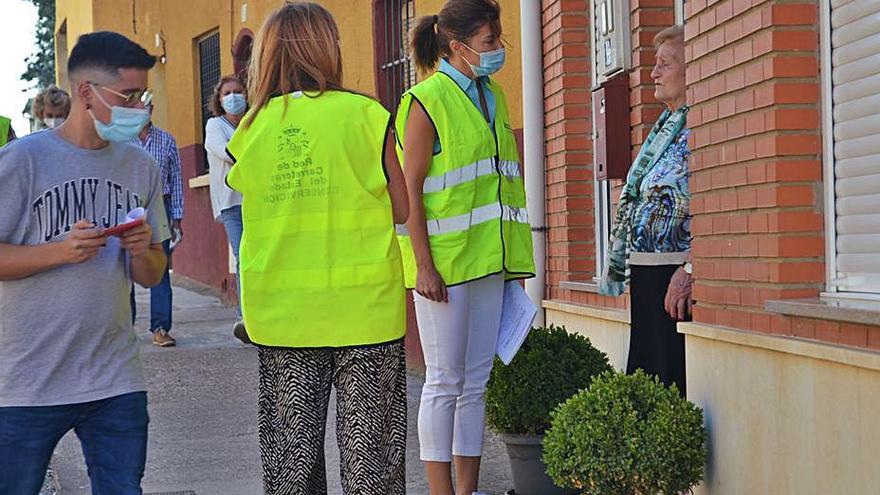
(183, 23)
(77, 14)
(355, 25)
(116, 15)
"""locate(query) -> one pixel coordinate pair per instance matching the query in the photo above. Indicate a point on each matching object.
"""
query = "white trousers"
(458, 340)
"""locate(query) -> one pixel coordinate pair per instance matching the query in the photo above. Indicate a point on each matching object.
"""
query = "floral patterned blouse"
(662, 220)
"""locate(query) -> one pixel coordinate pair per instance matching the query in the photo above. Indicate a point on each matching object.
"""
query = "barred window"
(395, 73)
(209, 72)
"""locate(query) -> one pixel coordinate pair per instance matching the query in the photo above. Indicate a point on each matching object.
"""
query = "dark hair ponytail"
(424, 45)
(458, 20)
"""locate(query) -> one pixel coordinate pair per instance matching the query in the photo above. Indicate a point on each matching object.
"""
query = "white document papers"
(517, 314)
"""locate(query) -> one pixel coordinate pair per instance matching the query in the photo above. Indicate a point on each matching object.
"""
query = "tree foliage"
(41, 63)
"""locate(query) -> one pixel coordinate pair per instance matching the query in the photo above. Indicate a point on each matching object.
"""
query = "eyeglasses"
(131, 98)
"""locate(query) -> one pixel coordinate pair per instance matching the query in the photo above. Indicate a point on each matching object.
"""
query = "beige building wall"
(607, 329)
(785, 416)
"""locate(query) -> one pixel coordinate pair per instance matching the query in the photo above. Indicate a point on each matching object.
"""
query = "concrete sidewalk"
(203, 430)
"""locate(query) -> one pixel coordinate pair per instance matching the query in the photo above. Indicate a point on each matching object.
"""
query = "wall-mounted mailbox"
(611, 133)
(610, 29)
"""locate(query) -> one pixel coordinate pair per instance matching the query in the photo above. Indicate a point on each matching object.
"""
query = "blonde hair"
(674, 34)
(297, 49)
(54, 96)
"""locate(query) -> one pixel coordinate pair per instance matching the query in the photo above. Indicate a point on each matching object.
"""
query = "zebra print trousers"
(295, 387)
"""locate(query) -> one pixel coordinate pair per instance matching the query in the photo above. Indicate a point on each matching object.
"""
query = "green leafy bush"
(550, 367)
(627, 435)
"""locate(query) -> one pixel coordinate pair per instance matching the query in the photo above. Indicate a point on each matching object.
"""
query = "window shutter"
(855, 43)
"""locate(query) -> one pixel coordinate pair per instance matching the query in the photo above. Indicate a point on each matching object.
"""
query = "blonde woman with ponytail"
(322, 189)
(468, 232)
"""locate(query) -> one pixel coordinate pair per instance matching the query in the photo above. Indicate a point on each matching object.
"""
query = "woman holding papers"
(468, 230)
(321, 190)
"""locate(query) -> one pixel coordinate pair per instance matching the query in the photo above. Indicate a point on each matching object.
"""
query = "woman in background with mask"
(228, 105)
(51, 106)
(468, 230)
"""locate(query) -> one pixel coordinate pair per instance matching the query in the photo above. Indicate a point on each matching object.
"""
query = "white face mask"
(490, 62)
(53, 122)
(125, 122)
(234, 103)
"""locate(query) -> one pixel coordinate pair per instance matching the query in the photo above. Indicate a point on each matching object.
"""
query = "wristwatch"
(688, 268)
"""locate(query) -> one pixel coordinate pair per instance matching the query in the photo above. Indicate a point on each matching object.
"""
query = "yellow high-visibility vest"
(319, 261)
(474, 197)
(5, 124)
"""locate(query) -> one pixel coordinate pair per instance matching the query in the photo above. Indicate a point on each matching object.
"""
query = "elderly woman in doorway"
(651, 239)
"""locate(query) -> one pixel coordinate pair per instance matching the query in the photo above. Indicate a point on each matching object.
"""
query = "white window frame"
(602, 222)
(828, 182)
(679, 12)
(828, 148)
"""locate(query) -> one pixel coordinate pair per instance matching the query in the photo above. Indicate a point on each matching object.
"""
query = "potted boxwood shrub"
(627, 435)
(550, 367)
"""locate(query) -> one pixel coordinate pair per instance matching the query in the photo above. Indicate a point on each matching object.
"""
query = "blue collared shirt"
(469, 86)
(163, 148)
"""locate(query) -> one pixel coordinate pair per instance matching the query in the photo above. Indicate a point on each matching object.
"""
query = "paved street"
(203, 433)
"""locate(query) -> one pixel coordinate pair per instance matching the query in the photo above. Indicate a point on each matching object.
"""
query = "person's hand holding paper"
(135, 232)
(134, 218)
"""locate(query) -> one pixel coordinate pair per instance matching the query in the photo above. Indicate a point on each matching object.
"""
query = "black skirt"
(655, 345)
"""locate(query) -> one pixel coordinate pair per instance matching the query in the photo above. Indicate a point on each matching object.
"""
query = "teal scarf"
(616, 275)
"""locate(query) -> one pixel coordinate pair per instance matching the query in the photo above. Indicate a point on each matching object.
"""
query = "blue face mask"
(234, 103)
(490, 62)
(125, 123)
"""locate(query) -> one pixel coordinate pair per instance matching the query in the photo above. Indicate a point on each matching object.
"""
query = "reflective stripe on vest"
(474, 196)
(318, 225)
(475, 217)
(481, 168)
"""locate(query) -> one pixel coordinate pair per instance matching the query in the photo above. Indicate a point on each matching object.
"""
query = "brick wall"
(647, 18)
(571, 249)
(754, 87)
(569, 159)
